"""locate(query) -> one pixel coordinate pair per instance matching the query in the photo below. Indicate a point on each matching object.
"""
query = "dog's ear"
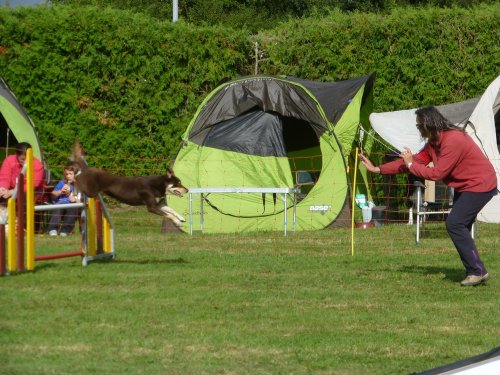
(170, 173)
(77, 150)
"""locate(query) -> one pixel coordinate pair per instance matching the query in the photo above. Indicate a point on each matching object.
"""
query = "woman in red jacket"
(459, 163)
(11, 168)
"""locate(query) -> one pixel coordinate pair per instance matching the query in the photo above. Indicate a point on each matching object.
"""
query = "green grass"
(256, 303)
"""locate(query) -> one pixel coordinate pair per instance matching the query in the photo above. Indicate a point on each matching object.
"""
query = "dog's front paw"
(171, 212)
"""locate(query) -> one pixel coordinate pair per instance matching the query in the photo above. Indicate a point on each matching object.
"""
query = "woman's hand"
(4, 193)
(368, 164)
(407, 156)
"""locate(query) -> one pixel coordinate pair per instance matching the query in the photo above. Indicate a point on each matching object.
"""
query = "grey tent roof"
(286, 96)
(459, 113)
(334, 97)
(22, 127)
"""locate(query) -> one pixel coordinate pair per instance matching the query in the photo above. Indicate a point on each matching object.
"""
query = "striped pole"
(30, 211)
(20, 223)
(98, 226)
(106, 235)
(11, 235)
(91, 225)
(3, 269)
(107, 229)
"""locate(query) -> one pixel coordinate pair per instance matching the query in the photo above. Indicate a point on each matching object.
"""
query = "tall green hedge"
(127, 84)
(419, 56)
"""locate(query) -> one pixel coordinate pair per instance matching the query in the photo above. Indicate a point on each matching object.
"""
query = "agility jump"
(96, 228)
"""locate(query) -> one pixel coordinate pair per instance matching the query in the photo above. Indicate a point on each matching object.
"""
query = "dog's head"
(173, 184)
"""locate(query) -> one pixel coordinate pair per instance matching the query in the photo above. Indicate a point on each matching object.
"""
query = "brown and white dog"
(135, 191)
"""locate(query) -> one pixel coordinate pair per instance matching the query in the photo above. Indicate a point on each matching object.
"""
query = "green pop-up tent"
(274, 131)
(15, 124)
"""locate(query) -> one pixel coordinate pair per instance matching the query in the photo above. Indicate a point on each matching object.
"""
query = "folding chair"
(426, 208)
(305, 181)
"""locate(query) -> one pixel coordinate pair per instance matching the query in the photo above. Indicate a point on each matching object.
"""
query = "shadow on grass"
(450, 274)
(151, 261)
(55, 264)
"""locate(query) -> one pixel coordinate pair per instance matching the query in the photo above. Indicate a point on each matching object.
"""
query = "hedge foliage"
(127, 84)
(259, 14)
(124, 84)
(419, 56)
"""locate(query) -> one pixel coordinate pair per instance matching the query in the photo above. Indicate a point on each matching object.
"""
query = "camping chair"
(426, 208)
(42, 217)
(305, 181)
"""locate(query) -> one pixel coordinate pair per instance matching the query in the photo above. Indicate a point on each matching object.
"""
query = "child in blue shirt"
(63, 220)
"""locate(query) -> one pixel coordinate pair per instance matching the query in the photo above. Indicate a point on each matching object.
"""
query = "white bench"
(201, 191)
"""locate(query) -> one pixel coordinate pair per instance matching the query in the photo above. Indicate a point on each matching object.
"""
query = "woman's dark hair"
(22, 147)
(433, 123)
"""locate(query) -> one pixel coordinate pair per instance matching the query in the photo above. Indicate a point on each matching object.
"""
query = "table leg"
(202, 218)
(190, 214)
(294, 210)
(285, 196)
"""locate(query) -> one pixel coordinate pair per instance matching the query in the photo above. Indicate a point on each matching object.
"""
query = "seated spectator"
(11, 168)
(63, 220)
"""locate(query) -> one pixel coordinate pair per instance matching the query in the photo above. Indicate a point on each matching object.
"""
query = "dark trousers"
(466, 206)
(64, 218)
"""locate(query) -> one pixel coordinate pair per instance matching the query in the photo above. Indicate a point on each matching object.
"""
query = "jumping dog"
(135, 191)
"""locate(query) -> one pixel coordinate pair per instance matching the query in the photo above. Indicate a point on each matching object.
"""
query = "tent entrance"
(7, 137)
(268, 134)
(303, 152)
(286, 149)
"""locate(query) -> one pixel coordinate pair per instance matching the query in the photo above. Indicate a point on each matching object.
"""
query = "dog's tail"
(78, 155)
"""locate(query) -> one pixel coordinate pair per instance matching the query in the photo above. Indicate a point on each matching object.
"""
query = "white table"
(202, 191)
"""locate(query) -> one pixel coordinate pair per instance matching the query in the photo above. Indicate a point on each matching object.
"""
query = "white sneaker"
(53, 232)
(473, 280)
(62, 234)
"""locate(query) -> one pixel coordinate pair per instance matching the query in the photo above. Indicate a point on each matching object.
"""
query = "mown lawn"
(257, 303)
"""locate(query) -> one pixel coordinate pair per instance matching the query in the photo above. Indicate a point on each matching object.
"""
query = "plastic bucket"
(367, 214)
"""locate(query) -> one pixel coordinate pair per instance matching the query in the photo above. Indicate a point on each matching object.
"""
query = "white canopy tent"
(481, 116)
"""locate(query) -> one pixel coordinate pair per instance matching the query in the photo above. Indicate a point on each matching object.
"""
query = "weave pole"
(30, 211)
(99, 227)
(3, 255)
(11, 235)
(353, 199)
(20, 223)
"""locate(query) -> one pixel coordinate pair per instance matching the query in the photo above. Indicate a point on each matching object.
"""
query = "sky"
(14, 3)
